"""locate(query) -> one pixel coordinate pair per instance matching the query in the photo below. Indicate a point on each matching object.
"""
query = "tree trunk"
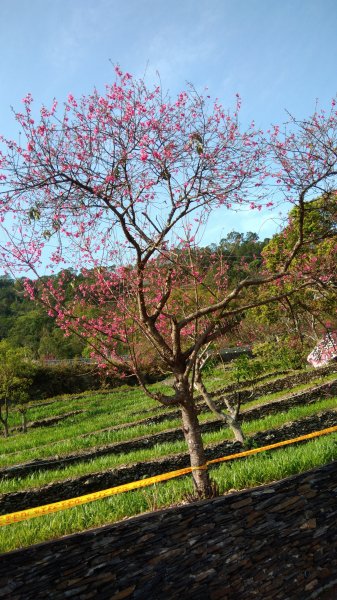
(233, 419)
(4, 419)
(195, 445)
(230, 418)
(236, 428)
(6, 429)
(24, 421)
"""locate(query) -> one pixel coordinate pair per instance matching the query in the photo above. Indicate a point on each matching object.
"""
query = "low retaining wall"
(275, 542)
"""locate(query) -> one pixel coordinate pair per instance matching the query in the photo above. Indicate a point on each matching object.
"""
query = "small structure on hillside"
(325, 351)
(229, 354)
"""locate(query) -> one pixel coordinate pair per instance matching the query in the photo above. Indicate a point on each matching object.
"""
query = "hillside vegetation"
(101, 439)
(25, 323)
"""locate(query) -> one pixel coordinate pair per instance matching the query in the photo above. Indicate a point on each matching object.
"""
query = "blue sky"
(276, 54)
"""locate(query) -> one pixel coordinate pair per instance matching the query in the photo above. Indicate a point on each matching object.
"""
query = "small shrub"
(68, 378)
(246, 369)
(284, 354)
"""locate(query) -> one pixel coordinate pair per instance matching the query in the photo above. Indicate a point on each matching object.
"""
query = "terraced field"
(84, 443)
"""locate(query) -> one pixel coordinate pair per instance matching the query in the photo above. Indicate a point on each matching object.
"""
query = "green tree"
(242, 252)
(15, 380)
(53, 344)
(27, 330)
(312, 310)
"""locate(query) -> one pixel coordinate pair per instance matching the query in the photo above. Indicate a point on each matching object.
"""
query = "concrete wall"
(275, 542)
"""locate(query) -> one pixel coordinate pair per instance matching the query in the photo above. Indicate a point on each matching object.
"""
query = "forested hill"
(24, 323)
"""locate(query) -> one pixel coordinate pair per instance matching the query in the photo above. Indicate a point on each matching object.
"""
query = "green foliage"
(53, 344)
(15, 380)
(242, 252)
(67, 378)
(25, 324)
(282, 354)
(26, 330)
(246, 369)
(210, 365)
(319, 228)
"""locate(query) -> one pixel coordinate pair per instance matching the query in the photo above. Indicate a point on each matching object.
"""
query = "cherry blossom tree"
(120, 185)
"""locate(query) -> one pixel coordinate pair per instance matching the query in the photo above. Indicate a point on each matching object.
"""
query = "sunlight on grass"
(127, 405)
(255, 470)
(83, 431)
(159, 450)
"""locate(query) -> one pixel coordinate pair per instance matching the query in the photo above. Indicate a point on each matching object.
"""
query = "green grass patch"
(41, 478)
(273, 421)
(70, 429)
(126, 397)
(286, 393)
(66, 437)
(73, 444)
(245, 473)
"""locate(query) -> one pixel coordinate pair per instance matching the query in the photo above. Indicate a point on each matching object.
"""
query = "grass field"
(114, 416)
